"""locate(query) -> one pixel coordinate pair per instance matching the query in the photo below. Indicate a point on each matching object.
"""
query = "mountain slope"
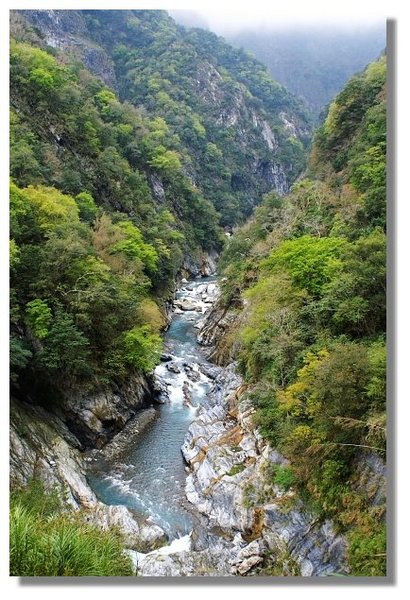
(304, 304)
(239, 134)
(116, 189)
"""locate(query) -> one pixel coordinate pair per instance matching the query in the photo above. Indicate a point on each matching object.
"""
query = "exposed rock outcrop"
(42, 446)
(228, 484)
(203, 265)
(67, 30)
(217, 333)
(96, 417)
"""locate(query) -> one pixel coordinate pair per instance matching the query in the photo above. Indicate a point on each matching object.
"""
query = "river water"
(150, 477)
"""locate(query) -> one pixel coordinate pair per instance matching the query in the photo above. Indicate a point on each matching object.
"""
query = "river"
(149, 478)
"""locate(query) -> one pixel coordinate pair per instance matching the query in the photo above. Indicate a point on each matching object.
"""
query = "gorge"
(198, 343)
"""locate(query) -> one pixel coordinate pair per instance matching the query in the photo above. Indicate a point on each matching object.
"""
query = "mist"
(228, 21)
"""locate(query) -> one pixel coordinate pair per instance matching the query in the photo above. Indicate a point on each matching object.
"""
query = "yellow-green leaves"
(142, 348)
(166, 161)
(133, 246)
(50, 207)
(312, 262)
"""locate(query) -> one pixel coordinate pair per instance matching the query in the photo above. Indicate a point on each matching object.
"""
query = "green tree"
(141, 348)
(66, 349)
(312, 262)
(38, 317)
(87, 207)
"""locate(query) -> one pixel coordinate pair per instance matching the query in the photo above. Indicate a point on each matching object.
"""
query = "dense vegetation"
(310, 269)
(109, 196)
(47, 541)
(215, 100)
(113, 186)
(313, 63)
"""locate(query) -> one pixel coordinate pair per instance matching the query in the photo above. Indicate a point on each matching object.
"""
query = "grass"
(47, 541)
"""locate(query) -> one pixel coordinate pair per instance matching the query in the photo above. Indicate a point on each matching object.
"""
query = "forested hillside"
(237, 133)
(115, 187)
(309, 272)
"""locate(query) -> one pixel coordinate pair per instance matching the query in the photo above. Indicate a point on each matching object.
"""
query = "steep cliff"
(133, 142)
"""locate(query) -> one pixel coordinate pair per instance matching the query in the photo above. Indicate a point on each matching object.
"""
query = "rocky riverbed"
(248, 523)
(248, 519)
(186, 480)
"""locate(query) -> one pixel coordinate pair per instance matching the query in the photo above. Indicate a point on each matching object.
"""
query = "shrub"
(142, 347)
(367, 552)
(284, 477)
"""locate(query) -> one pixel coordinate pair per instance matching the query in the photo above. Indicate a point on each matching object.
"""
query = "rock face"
(217, 333)
(142, 537)
(228, 484)
(204, 265)
(211, 556)
(42, 446)
(67, 30)
(97, 417)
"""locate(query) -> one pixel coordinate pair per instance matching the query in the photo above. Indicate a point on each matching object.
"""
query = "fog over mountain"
(313, 60)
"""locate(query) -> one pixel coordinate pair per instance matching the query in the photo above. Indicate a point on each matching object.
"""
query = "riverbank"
(219, 512)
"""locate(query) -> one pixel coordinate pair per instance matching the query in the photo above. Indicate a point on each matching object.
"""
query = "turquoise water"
(150, 478)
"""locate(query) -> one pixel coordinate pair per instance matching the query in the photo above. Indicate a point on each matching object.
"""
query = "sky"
(226, 20)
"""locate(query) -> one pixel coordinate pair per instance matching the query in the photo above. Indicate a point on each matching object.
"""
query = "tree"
(51, 207)
(311, 261)
(66, 349)
(38, 317)
(87, 207)
(141, 348)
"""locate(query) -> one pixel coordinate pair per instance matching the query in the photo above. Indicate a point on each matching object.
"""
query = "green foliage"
(79, 286)
(34, 499)
(356, 296)
(51, 207)
(284, 477)
(272, 314)
(99, 150)
(167, 73)
(14, 254)
(376, 387)
(38, 317)
(87, 207)
(367, 552)
(309, 272)
(352, 142)
(65, 347)
(44, 541)
(133, 246)
(142, 348)
(166, 161)
(19, 356)
(312, 262)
